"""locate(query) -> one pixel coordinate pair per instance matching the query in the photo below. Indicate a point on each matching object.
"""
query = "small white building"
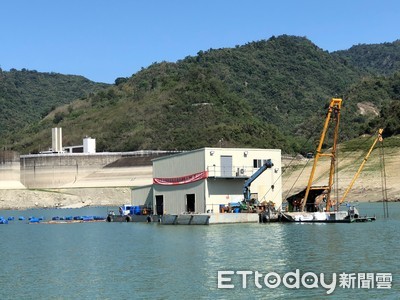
(200, 181)
(89, 145)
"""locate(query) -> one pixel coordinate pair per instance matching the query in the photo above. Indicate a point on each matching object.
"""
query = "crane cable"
(383, 180)
(287, 167)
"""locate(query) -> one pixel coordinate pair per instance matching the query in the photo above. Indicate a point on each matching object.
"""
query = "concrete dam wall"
(87, 170)
(10, 170)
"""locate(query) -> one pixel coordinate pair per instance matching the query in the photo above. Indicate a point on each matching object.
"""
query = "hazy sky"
(103, 40)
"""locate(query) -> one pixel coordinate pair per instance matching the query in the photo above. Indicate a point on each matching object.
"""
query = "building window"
(257, 163)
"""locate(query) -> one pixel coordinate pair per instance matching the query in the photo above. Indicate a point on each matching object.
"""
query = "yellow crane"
(334, 115)
(378, 138)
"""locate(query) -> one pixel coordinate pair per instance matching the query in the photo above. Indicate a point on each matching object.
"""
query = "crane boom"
(378, 138)
(332, 114)
(246, 188)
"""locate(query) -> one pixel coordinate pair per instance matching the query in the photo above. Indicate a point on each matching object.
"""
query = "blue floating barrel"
(21, 218)
(3, 221)
(69, 218)
(87, 218)
(34, 220)
(10, 218)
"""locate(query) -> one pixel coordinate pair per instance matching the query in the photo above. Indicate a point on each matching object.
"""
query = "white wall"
(231, 190)
(177, 165)
(89, 145)
(218, 189)
(142, 196)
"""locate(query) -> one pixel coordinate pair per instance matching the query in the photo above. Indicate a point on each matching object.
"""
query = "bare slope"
(368, 186)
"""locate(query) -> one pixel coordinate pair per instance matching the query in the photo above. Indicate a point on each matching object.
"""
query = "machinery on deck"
(246, 188)
(306, 206)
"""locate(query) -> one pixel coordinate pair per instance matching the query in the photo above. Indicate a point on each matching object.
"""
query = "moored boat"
(314, 204)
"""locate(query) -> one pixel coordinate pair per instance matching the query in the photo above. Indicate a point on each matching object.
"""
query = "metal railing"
(230, 172)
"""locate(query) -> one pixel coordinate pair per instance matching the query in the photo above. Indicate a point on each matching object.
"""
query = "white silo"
(56, 135)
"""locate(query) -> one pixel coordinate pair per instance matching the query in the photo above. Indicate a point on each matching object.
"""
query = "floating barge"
(189, 219)
(132, 218)
(208, 219)
(324, 217)
(241, 218)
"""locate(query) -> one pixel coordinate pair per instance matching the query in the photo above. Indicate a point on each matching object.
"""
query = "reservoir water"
(153, 261)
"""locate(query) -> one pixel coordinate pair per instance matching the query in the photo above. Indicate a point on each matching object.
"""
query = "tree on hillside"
(390, 118)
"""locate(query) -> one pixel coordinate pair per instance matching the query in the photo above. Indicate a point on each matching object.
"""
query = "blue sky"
(103, 40)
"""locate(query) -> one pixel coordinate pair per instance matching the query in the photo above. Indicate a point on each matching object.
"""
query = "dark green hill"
(379, 59)
(383, 94)
(27, 96)
(283, 79)
(265, 94)
(162, 107)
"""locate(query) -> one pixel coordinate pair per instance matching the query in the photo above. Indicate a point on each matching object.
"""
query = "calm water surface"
(140, 261)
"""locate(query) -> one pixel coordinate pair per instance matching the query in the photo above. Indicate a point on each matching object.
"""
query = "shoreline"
(24, 199)
(74, 202)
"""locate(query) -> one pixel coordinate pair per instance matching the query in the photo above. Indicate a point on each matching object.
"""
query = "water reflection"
(156, 261)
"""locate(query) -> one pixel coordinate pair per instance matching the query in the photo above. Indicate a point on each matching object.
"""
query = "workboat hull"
(323, 217)
(318, 217)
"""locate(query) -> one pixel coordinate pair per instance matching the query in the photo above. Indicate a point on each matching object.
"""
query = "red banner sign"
(181, 180)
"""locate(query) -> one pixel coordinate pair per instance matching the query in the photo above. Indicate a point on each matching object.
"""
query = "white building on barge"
(199, 182)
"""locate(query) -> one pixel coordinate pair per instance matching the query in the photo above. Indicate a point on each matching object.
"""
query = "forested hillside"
(379, 59)
(27, 96)
(384, 93)
(267, 94)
